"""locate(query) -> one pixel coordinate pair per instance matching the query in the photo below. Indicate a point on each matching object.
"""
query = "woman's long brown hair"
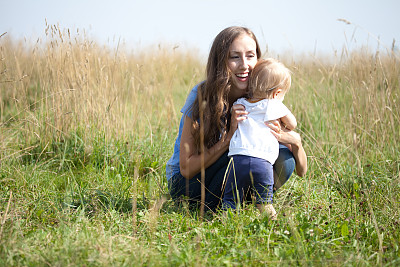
(214, 91)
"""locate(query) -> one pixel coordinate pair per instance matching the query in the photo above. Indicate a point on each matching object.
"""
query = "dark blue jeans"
(179, 186)
(283, 167)
(248, 176)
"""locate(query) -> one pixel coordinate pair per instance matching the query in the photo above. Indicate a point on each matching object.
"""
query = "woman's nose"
(244, 63)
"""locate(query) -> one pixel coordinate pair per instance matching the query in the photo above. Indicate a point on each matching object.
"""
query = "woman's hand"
(284, 135)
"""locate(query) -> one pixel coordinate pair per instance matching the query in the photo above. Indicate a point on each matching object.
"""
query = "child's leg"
(263, 181)
(237, 182)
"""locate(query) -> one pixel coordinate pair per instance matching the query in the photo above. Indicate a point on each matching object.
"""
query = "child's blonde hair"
(269, 74)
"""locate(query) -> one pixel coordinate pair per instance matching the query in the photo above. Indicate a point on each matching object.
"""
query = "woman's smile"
(243, 77)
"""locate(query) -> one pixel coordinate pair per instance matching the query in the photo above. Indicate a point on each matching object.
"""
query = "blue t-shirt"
(172, 166)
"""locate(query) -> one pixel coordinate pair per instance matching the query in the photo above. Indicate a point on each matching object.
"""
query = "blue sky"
(285, 25)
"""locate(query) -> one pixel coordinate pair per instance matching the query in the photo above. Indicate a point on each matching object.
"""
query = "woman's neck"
(235, 95)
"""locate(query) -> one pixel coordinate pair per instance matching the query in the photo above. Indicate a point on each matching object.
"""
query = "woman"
(209, 121)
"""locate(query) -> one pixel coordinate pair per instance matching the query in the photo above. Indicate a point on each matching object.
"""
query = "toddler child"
(253, 147)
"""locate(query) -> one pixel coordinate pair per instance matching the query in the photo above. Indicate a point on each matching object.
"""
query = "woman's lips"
(242, 77)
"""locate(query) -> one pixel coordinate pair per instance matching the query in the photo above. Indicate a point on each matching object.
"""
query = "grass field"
(85, 132)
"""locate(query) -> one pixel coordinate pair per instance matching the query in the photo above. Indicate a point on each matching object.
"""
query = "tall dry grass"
(67, 83)
(350, 105)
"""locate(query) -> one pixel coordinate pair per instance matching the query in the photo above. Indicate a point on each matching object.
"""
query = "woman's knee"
(284, 166)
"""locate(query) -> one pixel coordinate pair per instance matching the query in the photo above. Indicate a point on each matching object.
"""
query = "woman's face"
(242, 59)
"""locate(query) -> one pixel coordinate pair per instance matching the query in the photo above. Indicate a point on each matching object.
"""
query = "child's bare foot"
(269, 210)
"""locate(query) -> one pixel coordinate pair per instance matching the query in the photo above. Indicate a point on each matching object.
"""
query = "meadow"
(86, 131)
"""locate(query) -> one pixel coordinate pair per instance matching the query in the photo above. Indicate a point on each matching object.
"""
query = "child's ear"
(277, 93)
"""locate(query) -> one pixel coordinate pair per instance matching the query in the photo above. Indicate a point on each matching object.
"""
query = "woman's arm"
(298, 152)
(292, 138)
(190, 158)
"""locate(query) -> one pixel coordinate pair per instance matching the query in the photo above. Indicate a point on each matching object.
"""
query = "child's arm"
(289, 121)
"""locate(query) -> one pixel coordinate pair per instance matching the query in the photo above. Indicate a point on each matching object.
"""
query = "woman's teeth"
(242, 77)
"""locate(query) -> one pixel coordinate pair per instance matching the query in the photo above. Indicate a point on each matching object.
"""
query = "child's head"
(269, 79)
